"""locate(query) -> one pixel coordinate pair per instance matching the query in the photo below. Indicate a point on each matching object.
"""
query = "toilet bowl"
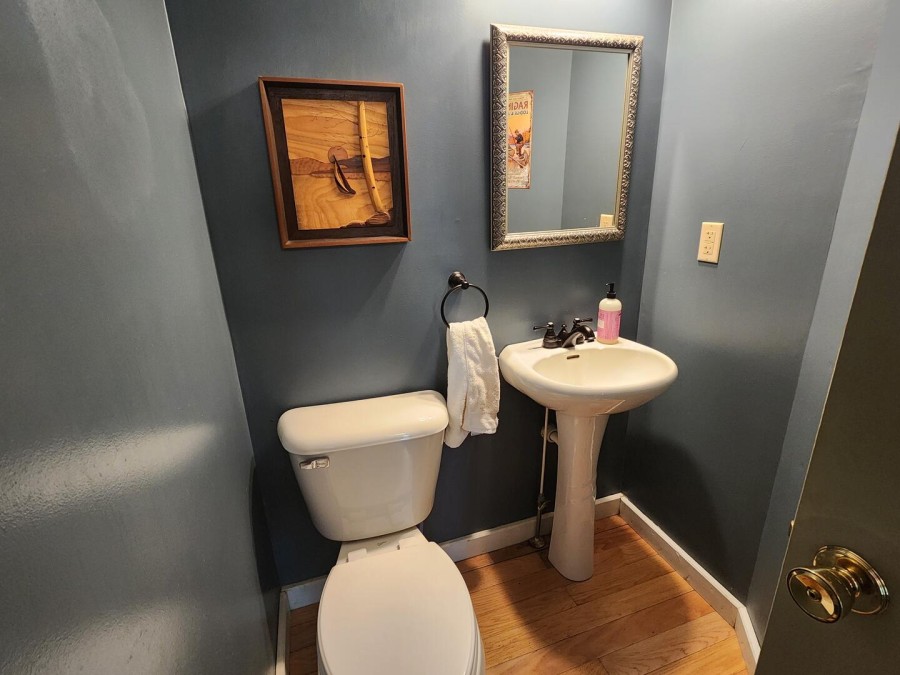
(394, 602)
(400, 607)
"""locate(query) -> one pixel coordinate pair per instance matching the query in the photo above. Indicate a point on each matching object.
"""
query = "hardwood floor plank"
(623, 554)
(302, 635)
(304, 614)
(519, 640)
(524, 612)
(501, 595)
(493, 557)
(722, 658)
(502, 572)
(597, 642)
(621, 549)
(589, 668)
(303, 662)
(660, 650)
(609, 581)
(614, 537)
(302, 627)
(610, 523)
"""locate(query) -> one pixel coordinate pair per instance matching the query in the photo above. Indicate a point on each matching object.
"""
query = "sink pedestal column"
(572, 541)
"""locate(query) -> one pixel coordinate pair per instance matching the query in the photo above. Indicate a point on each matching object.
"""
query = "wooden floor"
(634, 616)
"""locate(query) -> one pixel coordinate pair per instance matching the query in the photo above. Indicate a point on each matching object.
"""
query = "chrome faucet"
(579, 333)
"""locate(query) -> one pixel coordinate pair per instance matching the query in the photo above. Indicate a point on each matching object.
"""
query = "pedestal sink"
(584, 384)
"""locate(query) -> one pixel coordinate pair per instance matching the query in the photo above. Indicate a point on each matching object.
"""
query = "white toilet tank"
(367, 468)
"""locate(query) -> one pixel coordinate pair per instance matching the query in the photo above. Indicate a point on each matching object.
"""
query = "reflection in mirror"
(572, 153)
(563, 110)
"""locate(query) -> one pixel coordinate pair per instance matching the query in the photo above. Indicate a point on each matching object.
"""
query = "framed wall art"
(337, 151)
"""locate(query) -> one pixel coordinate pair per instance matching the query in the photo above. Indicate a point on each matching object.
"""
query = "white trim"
(728, 607)
(494, 538)
(747, 639)
(608, 506)
(515, 533)
(281, 649)
(305, 593)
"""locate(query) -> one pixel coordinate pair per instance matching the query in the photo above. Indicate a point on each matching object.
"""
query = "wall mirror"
(563, 108)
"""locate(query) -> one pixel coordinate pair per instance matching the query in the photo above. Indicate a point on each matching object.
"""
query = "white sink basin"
(585, 384)
(590, 378)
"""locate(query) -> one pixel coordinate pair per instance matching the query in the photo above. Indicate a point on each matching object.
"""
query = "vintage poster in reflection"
(518, 146)
(337, 184)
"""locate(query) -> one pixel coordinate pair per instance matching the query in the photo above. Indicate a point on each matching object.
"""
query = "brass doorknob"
(840, 581)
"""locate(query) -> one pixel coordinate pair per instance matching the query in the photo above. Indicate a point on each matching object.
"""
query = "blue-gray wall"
(869, 161)
(125, 528)
(760, 107)
(548, 73)
(594, 142)
(312, 326)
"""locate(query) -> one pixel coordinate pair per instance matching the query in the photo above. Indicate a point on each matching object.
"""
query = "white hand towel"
(473, 381)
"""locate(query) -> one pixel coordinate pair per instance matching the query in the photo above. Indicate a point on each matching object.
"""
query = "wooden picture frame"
(337, 152)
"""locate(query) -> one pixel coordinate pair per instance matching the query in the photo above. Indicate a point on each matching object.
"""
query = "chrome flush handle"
(317, 463)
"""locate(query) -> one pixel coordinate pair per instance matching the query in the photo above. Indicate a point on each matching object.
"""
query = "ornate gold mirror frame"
(502, 37)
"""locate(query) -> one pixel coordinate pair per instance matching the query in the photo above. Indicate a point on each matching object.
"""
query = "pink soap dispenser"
(609, 317)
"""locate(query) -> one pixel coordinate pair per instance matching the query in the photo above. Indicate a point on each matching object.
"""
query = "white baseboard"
(515, 533)
(494, 538)
(727, 606)
(305, 593)
(707, 586)
(747, 639)
(607, 506)
(281, 649)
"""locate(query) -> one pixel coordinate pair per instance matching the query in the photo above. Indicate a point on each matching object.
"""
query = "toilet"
(394, 603)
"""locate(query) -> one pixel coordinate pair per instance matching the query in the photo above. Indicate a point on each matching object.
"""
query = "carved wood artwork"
(337, 152)
(318, 131)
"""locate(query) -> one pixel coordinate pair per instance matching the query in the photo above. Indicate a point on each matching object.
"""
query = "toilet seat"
(405, 612)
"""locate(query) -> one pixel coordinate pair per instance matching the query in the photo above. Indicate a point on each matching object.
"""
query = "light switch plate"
(710, 242)
(606, 220)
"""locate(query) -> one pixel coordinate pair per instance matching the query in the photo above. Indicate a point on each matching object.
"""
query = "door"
(851, 496)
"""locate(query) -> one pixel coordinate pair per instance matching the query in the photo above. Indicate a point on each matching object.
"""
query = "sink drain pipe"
(548, 434)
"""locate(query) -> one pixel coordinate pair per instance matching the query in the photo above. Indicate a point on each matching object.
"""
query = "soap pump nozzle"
(612, 290)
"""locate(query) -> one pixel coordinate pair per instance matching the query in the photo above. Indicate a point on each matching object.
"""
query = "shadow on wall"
(469, 498)
(74, 495)
(613, 451)
(693, 517)
(519, 452)
(303, 541)
(266, 571)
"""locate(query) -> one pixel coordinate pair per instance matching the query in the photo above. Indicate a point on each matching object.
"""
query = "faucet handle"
(551, 341)
(587, 331)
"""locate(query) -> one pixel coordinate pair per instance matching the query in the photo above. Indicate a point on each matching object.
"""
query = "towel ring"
(458, 281)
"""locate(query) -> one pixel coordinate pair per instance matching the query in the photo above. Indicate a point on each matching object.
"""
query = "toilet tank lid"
(313, 430)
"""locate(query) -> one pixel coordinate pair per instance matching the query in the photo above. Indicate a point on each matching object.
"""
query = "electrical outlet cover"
(710, 242)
